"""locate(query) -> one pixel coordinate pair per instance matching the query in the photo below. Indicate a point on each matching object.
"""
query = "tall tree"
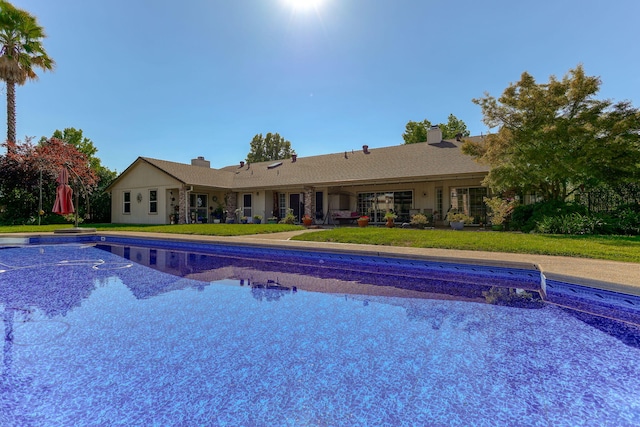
(453, 128)
(417, 131)
(20, 171)
(21, 51)
(269, 147)
(99, 201)
(75, 137)
(555, 137)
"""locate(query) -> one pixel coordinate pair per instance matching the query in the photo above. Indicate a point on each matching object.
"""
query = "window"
(439, 195)
(126, 202)
(282, 205)
(198, 207)
(470, 202)
(246, 200)
(153, 201)
(376, 205)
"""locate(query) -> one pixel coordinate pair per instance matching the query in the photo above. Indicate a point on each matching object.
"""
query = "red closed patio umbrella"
(64, 203)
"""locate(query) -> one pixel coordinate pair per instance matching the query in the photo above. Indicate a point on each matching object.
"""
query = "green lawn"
(616, 248)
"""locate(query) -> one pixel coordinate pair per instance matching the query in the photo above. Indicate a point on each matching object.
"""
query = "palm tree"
(21, 51)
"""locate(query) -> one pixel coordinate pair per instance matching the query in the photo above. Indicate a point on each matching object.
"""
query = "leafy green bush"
(626, 220)
(525, 217)
(574, 223)
(419, 221)
(290, 218)
(555, 217)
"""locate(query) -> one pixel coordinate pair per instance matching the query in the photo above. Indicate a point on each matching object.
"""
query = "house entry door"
(294, 205)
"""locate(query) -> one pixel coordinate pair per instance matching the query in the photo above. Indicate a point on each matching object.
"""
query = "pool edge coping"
(496, 259)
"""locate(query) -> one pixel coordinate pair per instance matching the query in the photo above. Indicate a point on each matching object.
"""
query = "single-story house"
(430, 177)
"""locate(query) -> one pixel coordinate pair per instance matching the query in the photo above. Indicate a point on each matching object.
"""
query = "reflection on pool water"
(95, 336)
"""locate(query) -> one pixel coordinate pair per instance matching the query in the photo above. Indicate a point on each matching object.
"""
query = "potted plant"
(419, 221)
(458, 220)
(217, 214)
(257, 219)
(289, 218)
(272, 220)
(499, 210)
(307, 220)
(243, 220)
(389, 218)
(363, 221)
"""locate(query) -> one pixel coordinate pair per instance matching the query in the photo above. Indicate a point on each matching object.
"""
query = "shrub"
(574, 223)
(626, 220)
(390, 215)
(499, 209)
(526, 217)
(454, 216)
(419, 221)
(290, 218)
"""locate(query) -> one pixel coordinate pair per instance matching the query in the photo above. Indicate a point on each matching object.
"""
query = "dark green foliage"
(626, 220)
(556, 138)
(623, 221)
(415, 132)
(525, 217)
(99, 200)
(607, 198)
(574, 223)
(556, 217)
(272, 146)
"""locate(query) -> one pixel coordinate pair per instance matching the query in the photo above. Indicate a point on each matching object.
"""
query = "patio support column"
(182, 205)
(309, 202)
(231, 199)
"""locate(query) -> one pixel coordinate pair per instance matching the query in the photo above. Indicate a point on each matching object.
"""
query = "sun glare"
(304, 4)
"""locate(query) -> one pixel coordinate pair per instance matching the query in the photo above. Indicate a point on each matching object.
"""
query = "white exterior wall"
(143, 177)
(139, 180)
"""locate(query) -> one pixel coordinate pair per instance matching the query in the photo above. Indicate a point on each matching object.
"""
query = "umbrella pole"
(77, 206)
(40, 199)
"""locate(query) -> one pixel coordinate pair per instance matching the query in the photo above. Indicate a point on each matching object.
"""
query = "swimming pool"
(106, 331)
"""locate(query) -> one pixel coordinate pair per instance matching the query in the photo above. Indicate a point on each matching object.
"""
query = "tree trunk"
(11, 111)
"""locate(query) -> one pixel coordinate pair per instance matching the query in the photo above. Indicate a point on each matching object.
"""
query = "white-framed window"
(439, 203)
(246, 208)
(126, 202)
(469, 200)
(282, 204)
(153, 201)
(198, 204)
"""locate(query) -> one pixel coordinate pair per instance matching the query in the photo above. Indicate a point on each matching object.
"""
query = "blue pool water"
(139, 334)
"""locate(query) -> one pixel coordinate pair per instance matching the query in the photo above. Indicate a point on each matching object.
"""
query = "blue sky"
(176, 80)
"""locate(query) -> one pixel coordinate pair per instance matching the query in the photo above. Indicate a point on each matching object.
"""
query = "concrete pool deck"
(615, 276)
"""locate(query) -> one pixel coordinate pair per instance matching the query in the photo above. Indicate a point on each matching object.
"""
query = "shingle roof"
(193, 175)
(401, 163)
(389, 164)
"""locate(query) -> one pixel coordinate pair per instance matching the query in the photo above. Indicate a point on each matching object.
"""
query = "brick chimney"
(200, 161)
(241, 163)
(434, 135)
(365, 149)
